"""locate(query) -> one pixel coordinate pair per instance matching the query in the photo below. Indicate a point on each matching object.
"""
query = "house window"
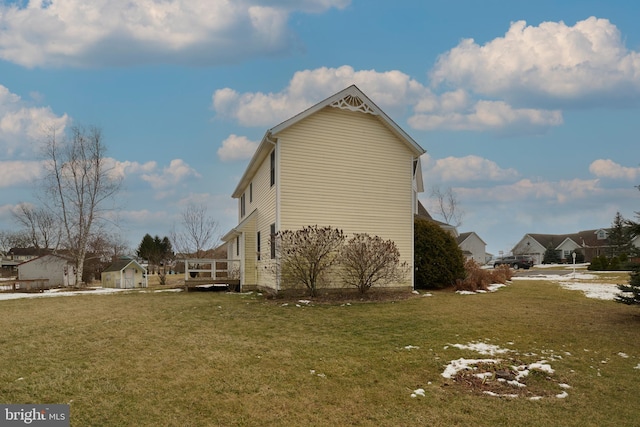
(237, 245)
(602, 235)
(251, 192)
(258, 244)
(242, 206)
(273, 241)
(273, 167)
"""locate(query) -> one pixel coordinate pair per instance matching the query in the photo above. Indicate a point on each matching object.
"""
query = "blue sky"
(529, 111)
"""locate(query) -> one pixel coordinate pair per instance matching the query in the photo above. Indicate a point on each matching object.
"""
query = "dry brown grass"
(209, 359)
(478, 278)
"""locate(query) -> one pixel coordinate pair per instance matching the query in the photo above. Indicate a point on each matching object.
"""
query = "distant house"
(25, 254)
(342, 163)
(124, 273)
(472, 246)
(56, 270)
(590, 243)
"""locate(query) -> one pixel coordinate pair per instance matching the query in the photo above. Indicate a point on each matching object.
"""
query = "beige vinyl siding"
(264, 205)
(347, 170)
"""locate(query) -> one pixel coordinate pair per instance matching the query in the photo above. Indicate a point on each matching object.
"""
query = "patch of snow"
(462, 364)
(637, 366)
(411, 347)
(604, 291)
(482, 348)
(562, 395)
(563, 385)
(427, 295)
(535, 398)
(465, 293)
(61, 293)
(418, 392)
(623, 355)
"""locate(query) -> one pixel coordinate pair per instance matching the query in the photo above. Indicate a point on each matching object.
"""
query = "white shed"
(55, 269)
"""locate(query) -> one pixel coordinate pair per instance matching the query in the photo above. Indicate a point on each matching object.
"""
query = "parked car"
(516, 262)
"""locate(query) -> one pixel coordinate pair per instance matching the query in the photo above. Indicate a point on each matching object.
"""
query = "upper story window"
(602, 234)
(251, 192)
(242, 206)
(273, 167)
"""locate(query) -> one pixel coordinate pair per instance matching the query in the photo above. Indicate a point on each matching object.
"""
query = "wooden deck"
(216, 272)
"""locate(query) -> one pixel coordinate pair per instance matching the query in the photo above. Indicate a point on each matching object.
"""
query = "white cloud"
(609, 169)
(391, 90)
(236, 148)
(23, 125)
(394, 92)
(468, 168)
(17, 173)
(549, 64)
(120, 169)
(496, 116)
(121, 32)
(172, 175)
(562, 191)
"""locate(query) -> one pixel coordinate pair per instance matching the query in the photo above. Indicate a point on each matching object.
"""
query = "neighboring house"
(55, 269)
(473, 247)
(124, 273)
(342, 163)
(25, 254)
(591, 243)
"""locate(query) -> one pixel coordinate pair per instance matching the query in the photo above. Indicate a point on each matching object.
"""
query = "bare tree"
(447, 206)
(305, 256)
(14, 239)
(39, 224)
(368, 261)
(78, 186)
(197, 232)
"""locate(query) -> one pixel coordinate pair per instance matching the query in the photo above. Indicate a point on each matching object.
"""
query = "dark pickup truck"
(516, 262)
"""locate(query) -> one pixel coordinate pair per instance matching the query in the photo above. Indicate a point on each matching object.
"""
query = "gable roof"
(585, 238)
(464, 236)
(58, 256)
(352, 99)
(121, 264)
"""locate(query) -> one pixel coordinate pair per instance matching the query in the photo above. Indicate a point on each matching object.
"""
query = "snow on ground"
(64, 293)
(491, 288)
(604, 291)
(516, 374)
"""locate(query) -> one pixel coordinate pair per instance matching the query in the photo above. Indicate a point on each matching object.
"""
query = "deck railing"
(214, 270)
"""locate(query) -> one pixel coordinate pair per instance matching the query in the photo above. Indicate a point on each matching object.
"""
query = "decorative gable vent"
(353, 103)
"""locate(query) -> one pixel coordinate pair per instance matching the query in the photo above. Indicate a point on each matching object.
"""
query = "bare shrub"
(479, 279)
(306, 255)
(501, 274)
(368, 261)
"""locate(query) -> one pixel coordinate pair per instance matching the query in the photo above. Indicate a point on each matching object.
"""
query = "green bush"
(439, 262)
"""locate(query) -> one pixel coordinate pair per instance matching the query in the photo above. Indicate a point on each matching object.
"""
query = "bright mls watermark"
(55, 415)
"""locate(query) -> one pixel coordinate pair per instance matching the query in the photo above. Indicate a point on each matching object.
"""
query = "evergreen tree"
(630, 294)
(551, 256)
(619, 236)
(439, 261)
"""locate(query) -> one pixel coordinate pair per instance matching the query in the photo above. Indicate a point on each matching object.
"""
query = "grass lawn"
(208, 359)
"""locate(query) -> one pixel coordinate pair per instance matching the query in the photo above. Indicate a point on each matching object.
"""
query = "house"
(590, 243)
(56, 270)
(124, 273)
(473, 247)
(26, 254)
(341, 163)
